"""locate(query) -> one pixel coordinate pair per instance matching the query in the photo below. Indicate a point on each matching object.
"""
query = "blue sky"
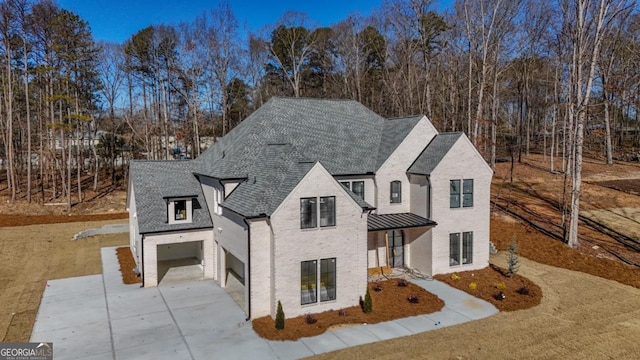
(117, 20)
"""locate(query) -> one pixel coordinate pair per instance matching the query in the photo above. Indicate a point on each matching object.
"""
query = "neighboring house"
(305, 198)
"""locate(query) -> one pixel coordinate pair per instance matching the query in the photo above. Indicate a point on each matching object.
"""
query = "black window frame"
(455, 191)
(309, 280)
(328, 277)
(455, 256)
(308, 212)
(398, 191)
(467, 193)
(331, 212)
(467, 247)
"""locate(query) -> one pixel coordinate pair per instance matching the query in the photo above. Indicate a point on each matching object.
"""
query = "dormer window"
(180, 210)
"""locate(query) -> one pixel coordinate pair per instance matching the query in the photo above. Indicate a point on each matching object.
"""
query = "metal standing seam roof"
(397, 221)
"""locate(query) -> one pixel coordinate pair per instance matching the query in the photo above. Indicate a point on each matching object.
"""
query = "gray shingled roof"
(153, 181)
(344, 135)
(377, 222)
(433, 153)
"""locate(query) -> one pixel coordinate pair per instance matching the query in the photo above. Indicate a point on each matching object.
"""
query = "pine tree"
(367, 307)
(279, 317)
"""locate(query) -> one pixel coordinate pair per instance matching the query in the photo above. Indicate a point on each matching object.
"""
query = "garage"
(180, 261)
(234, 278)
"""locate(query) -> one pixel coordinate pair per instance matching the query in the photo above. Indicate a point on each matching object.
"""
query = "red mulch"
(388, 304)
(22, 220)
(127, 264)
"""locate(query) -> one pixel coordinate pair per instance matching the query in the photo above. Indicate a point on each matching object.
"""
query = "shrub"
(413, 299)
(402, 283)
(343, 312)
(310, 320)
(500, 296)
(473, 286)
(455, 277)
(377, 288)
(523, 290)
(367, 305)
(501, 286)
(512, 258)
(279, 317)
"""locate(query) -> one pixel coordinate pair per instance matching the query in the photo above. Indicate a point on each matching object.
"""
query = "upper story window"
(461, 195)
(396, 191)
(357, 187)
(179, 210)
(309, 212)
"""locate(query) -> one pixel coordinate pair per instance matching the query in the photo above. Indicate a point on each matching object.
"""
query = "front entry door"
(396, 248)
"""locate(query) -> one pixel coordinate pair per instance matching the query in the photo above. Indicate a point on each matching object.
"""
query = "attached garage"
(174, 256)
(234, 278)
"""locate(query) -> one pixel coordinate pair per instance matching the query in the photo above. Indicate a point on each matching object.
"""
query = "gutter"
(142, 262)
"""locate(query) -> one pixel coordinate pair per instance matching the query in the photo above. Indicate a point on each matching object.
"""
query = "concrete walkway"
(98, 317)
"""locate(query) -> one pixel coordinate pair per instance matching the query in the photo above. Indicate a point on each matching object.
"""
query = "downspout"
(142, 262)
(248, 274)
(429, 197)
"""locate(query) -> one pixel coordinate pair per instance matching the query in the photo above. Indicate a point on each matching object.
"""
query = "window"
(308, 280)
(180, 210)
(308, 213)
(454, 193)
(328, 211)
(396, 191)
(467, 247)
(455, 249)
(467, 193)
(328, 279)
(357, 187)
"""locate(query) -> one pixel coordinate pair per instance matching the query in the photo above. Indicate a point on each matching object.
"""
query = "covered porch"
(396, 242)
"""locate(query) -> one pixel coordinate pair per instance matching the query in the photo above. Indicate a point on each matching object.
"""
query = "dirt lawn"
(31, 255)
(580, 317)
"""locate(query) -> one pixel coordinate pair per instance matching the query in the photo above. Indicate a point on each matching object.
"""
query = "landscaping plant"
(279, 317)
(367, 306)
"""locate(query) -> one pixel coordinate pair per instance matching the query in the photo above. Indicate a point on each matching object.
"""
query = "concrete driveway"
(98, 317)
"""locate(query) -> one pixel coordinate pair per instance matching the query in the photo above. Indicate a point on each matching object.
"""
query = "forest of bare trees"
(560, 78)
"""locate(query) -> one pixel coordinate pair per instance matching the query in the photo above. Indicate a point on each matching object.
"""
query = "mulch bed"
(490, 282)
(545, 250)
(127, 264)
(388, 304)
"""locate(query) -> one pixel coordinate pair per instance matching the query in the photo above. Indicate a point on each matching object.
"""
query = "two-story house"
(305, 198)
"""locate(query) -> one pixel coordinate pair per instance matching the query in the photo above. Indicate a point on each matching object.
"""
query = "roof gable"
(433, 153)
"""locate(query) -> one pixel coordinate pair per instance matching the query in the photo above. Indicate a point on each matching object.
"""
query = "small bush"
(367, 305)
(343, 312)
(413, 299)
(455, 277)
(500, 296)
(523, 290)
(279, 317)
(377, 288)
(310, 320)
(501, 286)
(473, 286)
(403, 283)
